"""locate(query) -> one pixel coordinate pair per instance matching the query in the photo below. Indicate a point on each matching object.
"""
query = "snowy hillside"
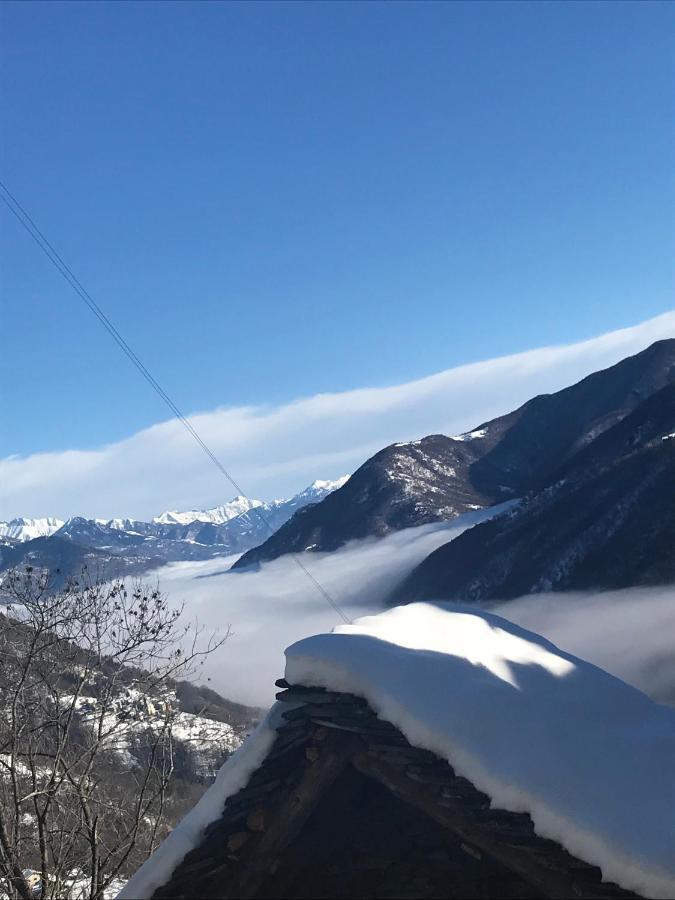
(201, 742)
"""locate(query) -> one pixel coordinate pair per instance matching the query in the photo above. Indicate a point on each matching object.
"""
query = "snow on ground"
(76, 885)
(537, 729)
(470, 435)
(270, 608)
(233, 776)
(130, 713)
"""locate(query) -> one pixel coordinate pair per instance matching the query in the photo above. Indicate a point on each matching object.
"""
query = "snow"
(127, 525)
(232, 777)
(470, 435)
(217, 516)
(326, 487)
(75, 885)
(131, 712)
(537, 729)
(23, 529)
(240, 505)
(591, 759)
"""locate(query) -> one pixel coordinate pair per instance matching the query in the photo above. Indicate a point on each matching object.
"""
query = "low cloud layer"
(275, 451)
(629, 633)
(270, 609)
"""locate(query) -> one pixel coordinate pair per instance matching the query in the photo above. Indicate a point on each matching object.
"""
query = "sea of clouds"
(630, 633)
(269, 609)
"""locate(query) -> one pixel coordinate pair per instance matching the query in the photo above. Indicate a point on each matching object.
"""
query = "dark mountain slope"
(66, 558)
(536, 439)
(401, 486)
(606, 521)
(441, 477)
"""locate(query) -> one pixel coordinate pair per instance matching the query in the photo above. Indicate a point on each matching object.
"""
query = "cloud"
(273, 451)
(272, 608)
(630, 633)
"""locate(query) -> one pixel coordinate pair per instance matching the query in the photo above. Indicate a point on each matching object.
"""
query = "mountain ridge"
(605, 520)
(439, 477)
(131, 546)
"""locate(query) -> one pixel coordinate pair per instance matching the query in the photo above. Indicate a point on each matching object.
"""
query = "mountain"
(127, 546)
(605, 520)
(219, 515)
(22, 529)
(216, 516)
(62, 557)
(441, 477)
(402, 485)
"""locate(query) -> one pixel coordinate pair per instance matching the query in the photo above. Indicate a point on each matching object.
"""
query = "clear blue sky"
(275, 199)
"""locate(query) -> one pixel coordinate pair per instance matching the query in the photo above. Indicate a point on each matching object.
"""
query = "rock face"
(441, 477)
(606, 519)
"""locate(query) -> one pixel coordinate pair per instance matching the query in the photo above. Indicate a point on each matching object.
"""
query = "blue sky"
(274, 200)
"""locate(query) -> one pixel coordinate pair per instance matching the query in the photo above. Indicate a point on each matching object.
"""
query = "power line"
(39, 238)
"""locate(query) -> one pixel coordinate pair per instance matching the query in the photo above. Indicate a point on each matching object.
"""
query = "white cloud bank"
(630, 633)
(274, 451)
(272, 608)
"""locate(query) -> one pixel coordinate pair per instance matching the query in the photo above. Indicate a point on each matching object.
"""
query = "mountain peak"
(25, 529)
(327, 486)
(217, 515)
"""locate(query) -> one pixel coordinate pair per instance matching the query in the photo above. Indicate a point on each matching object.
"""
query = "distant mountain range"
(23, 529)
(129, 546)
(216, 516)
(439, 477)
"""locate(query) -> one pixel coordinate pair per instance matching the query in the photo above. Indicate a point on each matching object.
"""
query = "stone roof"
(324, 734)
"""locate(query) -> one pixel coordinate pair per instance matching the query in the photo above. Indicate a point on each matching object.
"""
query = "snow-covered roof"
(591, 759)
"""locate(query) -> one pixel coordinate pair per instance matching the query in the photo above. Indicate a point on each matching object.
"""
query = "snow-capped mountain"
(216, 516)
(125, 546)
(316, 492)
(23, 529)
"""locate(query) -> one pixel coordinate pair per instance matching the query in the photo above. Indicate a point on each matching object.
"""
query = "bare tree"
(86, 712)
